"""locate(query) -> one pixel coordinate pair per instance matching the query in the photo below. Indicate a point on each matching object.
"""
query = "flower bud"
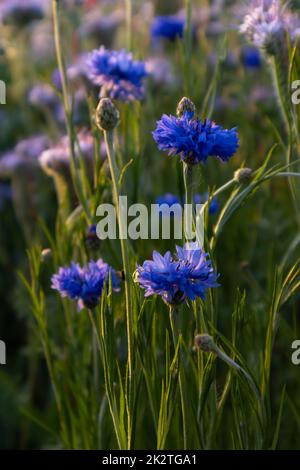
(107, 115)
(185, 105)
(205, 343)
(46, 254)
(243, 175)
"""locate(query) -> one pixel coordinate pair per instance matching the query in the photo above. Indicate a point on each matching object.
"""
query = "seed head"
(107, 115)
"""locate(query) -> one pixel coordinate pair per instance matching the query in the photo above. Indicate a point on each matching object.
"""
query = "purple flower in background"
(100, 27)
(118, 75)
(85, 284)
(56, 79)
(21, 12)
(57, 158)
(194, 140)
(26, 152)
(186, 275)
(267, 21)
(160, 71)
(43, 95)
(167, 27)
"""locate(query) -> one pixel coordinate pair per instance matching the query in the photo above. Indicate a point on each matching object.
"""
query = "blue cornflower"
(84, 284)
(169, 200)
(213, 204)
(167, 27)
(251, 57)
(119, 76)
(186, 275)
(194, 140)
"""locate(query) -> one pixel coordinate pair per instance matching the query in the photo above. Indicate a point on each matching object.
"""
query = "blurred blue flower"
(202, 198)
(167, 199)
(119, 76)
(194, 140)
(84, 284)
(21, 12)
(186, 275)
(170, 199)
(167, 27)
(251, 57)
(42, 95)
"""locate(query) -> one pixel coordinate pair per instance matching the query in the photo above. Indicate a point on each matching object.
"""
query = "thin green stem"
(67, 108)
(188, 43)
(189, 195)
(122, 229)
(128, 6)
(108, 136)
(181, 378)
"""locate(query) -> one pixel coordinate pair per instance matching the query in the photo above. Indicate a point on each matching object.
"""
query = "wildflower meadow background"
(150, 343)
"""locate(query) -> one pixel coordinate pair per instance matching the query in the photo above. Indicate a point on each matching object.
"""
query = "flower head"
(167, 27)
(267, 21)
(194, 140)
(25, 153)
(119, 76)
(57, 158)
(84, 284)
(43, 95)
(186, 275)
(107, 115)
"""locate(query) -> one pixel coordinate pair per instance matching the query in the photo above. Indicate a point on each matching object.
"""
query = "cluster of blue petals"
(194, 140)
(167, 27)
(186, 275)
(170, 199)
(85, 284)
(119, 76)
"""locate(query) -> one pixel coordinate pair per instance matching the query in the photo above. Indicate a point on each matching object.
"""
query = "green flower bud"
(185, 105)
(243, 175)
(46, 254)
(107, 115)
(205, 343)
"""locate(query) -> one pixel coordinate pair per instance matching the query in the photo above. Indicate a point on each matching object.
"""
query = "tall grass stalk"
(176, 341)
